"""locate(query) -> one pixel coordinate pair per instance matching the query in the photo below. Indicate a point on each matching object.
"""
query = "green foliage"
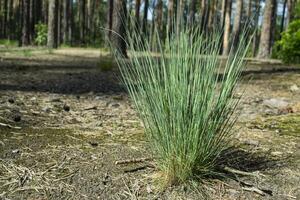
(41, 34)
(8, 43)
(185, 104)
(288, 48)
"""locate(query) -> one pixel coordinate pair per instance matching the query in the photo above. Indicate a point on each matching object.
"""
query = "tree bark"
(45, 11)
(211, 15)
(110, 5)
(65, 21)
(25, 22)
(237, 22)
(159, 16)
(119, 27)
(82, 8)
(249, 9)
(179, 20)
(266, 31)
(137, 13)
(226, 39)
(70, 23)
(192, 11)
(204, 12)
(170, 19)
(256, 20)
(290, 10)
(223, 12)
(4, 13)
(52, 24)
(145, 17)
(283, 16)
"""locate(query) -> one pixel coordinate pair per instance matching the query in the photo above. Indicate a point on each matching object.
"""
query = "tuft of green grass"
(185, 98)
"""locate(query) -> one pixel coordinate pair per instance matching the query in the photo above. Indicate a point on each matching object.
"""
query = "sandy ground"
(65, 122)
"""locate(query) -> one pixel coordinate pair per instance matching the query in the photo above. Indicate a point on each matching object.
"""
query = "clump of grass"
(184, 98)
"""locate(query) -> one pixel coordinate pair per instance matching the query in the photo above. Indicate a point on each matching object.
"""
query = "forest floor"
(65, 120)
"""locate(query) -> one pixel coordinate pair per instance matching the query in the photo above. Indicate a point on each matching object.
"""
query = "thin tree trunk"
(171, 20)
(237, 22)
(192, 11)
(52, 24)
(256, 20)
(290, 10)
(223, 12)
(266, 31)
(249, 9)
(119, 26)
(65, 21)
(58, 17)
(179, 20)
(283, 16)
(82, 8)
(25, 23)
(137, 13)
(159, 16)
(45, 11)
(31, 21)
(4, 30)
(70, 22)
(10, 20)
(274, 25)
(204, 12)
(226, 39)
(211, 16)
(145, 17)
(110, 5)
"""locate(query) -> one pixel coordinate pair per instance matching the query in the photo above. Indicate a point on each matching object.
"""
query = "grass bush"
(185, 99)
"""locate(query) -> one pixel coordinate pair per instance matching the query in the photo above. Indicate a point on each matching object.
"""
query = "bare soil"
(66, 119)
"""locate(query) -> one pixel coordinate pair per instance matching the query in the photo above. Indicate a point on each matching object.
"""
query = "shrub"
(288, 48)
(41, 34)
(185, 104)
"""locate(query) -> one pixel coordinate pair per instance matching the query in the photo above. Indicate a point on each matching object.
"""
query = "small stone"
(66, 108)
(294, 88)
(17, 118)
(275, 103)
(15, 151)
(11, 100)
(252, 142)
(46, 109)
(93, 144)
(115, 105)
(33, 99)
(276, 153)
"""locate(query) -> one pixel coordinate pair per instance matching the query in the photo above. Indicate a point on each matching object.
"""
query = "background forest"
(274, 23)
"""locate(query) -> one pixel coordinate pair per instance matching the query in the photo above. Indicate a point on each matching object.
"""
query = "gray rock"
(294, 88)
(275, 103)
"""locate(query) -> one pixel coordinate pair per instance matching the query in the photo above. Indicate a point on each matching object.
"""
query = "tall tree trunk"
(25, 22)
(52, 24)
(204, 12)
(70, 22)
(10, 20)
(65, 21)
(211, 15)
(171, 21)
(249, 9)
(159, 16)
(31, 20)
(110, 5)
(58, 18)
(119, 26)
(192, 11)
(256, 20)
(4, 13)
(226, 39)
(290, 10)
(45, 10)
(145, 17)
(137, 13)
(283, 16)
(82, 8)
(223, 13)
(237, 22)
(266, 31)
(274, 25)
(179, 20)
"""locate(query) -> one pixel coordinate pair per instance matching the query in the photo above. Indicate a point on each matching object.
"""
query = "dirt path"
(69, 121)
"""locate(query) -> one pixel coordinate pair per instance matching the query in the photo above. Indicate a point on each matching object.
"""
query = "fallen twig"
(137, 160)
(235, 171)
(9, 126)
